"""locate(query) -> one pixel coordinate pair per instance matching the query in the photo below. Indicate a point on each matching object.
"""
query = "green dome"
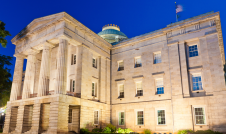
(111, 31)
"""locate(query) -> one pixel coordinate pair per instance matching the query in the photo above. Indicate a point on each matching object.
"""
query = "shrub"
(120, 131)
(185, 132)
(107, 130)
(207, 132)
(112, 127)
(147, 131)
(128, 130)
(84, 131)
(97, 130)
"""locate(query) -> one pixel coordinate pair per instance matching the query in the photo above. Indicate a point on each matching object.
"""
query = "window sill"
(120, 70)
(201, 125)
(120, 98)
(138, 67)
(163, 125)
(198, 91)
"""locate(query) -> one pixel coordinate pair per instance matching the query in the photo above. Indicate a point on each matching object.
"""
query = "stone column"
(17, 77)
(29, 75)
(43, 85)
(61, 67)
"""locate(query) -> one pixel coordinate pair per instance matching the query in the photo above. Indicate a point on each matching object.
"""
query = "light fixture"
(2, 113)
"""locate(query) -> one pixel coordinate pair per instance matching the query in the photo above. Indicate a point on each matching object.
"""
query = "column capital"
(19, 55)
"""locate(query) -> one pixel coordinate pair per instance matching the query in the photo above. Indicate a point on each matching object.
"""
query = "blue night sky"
(134, 17)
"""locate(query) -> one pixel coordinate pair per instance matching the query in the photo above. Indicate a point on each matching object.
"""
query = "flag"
(179, 8)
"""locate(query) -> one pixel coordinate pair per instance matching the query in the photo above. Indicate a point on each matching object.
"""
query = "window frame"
(118, 65)
(94, 64)
(191, 79)
(135, 58)
(156, 86)
(137, 117)
(204, 114)
(155, 53)
(141, 88)
(94, 89)
(97, 117)
(158, 118)
(191, 46)
(71, 85)
(123, 118)
(73, 59)
(119, 90)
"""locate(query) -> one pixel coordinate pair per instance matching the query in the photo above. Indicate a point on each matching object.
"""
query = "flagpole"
(176, 11)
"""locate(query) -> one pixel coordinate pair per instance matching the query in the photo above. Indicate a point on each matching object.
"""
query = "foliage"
(112, 127)
(198, 132)
(3, 34)
(128, 130)
(147, 131)
(84, 131)
(5, 82)
(107, 130)
(185, 132)
(97, 130)
(207, 132)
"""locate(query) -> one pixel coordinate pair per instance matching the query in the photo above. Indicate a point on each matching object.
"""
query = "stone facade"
(73, 79)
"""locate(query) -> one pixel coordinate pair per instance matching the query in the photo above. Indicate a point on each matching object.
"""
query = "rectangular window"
(139, 89)
(161, 117)
(138, 62)
(157, 58)
(197, 82)
(121, 118)
(120, 65)
(73, 59)
(72, 85)
(70, 116)
(159, 86)
(200, 116)
(140, 117)
(96, 118)
(193, 51)
(93, 89)
(94, 63)
(121, 91)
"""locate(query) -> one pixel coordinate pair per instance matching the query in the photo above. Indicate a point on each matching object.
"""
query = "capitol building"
(166, 80)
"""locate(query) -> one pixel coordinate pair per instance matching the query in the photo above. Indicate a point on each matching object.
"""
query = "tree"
(5, 82)
(3, 34)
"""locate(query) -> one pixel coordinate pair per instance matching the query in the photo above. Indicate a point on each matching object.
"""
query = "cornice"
(164, 31)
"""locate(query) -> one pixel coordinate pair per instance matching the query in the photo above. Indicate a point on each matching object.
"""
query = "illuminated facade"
(165, 80)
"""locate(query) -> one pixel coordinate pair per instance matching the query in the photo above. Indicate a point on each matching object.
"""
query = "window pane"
(157, 58)
(161, 117)
(159, 86)
(138, 62)
(140, 118)
(93, 89)
(121, 118)
(95, 117)
(196, 82)
(74, 59)
(199, 116)
(193, 51)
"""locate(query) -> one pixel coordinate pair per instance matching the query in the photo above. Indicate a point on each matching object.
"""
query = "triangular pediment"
(38, 24)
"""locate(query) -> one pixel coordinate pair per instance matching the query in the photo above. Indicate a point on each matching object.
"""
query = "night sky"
(134, 17)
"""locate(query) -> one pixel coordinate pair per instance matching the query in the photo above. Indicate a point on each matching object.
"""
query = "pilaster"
(184, 69)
